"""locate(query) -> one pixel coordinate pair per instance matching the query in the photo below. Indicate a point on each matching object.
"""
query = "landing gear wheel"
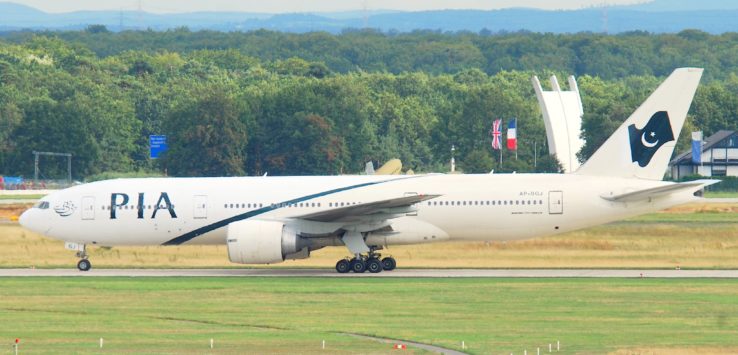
(84, 265)
(374, 265)
(343, 266)
(389, 263)
(358, 266)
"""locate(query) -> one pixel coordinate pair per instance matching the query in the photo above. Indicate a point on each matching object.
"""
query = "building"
(719, 158)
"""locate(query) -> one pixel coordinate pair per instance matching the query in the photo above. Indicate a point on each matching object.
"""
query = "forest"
(250, 103)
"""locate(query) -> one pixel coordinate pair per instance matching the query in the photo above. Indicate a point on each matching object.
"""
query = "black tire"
(358, 266)
(84, 265)
(343, 266)
(389, 263)
(374, 265)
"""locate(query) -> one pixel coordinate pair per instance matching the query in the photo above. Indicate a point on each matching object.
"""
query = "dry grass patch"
(681, 237)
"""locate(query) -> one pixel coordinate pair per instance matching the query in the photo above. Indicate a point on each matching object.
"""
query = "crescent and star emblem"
(645, 141)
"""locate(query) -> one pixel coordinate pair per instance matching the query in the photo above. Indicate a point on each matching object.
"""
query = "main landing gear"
(365, 257)
(372, 262)
(83, 264)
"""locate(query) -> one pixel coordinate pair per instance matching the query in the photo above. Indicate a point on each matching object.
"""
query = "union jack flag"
(496, 134)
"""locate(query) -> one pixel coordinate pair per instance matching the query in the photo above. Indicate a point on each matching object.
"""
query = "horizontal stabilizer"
(347, 213)
(646, 194)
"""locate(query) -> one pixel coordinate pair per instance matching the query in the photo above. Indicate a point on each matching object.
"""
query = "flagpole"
(516, 139)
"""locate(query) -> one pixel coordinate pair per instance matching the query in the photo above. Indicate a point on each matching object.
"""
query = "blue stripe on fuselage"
(222, 223)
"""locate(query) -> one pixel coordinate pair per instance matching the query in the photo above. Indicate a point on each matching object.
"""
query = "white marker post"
(558, 346)
(101, 343)
(324, 344)
(463, 345)
(211, 343)
(549, 347)
(15, 346)
(538, 351)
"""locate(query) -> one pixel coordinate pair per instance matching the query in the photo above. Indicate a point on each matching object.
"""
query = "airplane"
(267, 220)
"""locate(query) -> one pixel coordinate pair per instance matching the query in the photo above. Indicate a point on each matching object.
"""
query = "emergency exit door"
(88, 208)
(200, 204)
(555, 202)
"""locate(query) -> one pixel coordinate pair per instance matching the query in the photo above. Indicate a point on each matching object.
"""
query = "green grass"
(721, 194)
(293, 315)
(707, 217)
(21, 197)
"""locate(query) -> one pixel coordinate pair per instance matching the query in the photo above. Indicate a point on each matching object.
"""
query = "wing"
(384, 209)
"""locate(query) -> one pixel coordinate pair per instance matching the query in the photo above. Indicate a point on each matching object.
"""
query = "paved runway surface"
(436, 273)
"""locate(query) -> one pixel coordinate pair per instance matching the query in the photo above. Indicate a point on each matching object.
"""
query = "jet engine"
(264, 242)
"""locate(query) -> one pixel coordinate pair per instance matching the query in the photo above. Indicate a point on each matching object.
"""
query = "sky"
(287, 6)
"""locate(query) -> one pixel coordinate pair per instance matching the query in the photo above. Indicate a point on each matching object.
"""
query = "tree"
(305, 145)
(477, 162)
(205, 135)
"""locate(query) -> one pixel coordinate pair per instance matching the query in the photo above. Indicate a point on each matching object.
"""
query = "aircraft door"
(555, 202)
(200, 204)
(88, 208)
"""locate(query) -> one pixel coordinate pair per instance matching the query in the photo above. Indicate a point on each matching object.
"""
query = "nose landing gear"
(83, 264)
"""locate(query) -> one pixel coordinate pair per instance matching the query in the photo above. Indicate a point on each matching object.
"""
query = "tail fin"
(642, 146)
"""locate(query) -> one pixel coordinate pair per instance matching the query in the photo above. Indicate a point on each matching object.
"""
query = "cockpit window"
(42, 205)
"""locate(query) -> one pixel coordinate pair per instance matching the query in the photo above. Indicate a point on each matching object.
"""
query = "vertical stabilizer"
(642, 146)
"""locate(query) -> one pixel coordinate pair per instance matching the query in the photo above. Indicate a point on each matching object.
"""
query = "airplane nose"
(24, 217)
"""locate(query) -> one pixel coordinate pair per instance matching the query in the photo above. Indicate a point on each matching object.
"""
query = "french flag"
(512, 136)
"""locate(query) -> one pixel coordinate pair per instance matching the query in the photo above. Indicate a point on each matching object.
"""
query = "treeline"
(266, 102)
(433, 52)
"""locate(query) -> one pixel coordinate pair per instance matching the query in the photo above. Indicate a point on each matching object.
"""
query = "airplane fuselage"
(491, 207)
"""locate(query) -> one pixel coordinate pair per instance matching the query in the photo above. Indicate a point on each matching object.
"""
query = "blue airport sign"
(157, 145)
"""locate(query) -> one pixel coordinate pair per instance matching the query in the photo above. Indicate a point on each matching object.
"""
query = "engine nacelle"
(263, 242)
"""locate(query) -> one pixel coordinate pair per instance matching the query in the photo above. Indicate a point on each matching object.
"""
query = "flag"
(496, 134)
(697, 147)
(512, 137)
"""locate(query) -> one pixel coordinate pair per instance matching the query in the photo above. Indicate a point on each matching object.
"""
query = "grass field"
(293, 315)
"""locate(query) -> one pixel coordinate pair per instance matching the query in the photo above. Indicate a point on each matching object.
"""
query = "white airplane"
(265, 220)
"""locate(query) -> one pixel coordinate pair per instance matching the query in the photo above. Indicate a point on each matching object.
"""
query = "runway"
(426, 273)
